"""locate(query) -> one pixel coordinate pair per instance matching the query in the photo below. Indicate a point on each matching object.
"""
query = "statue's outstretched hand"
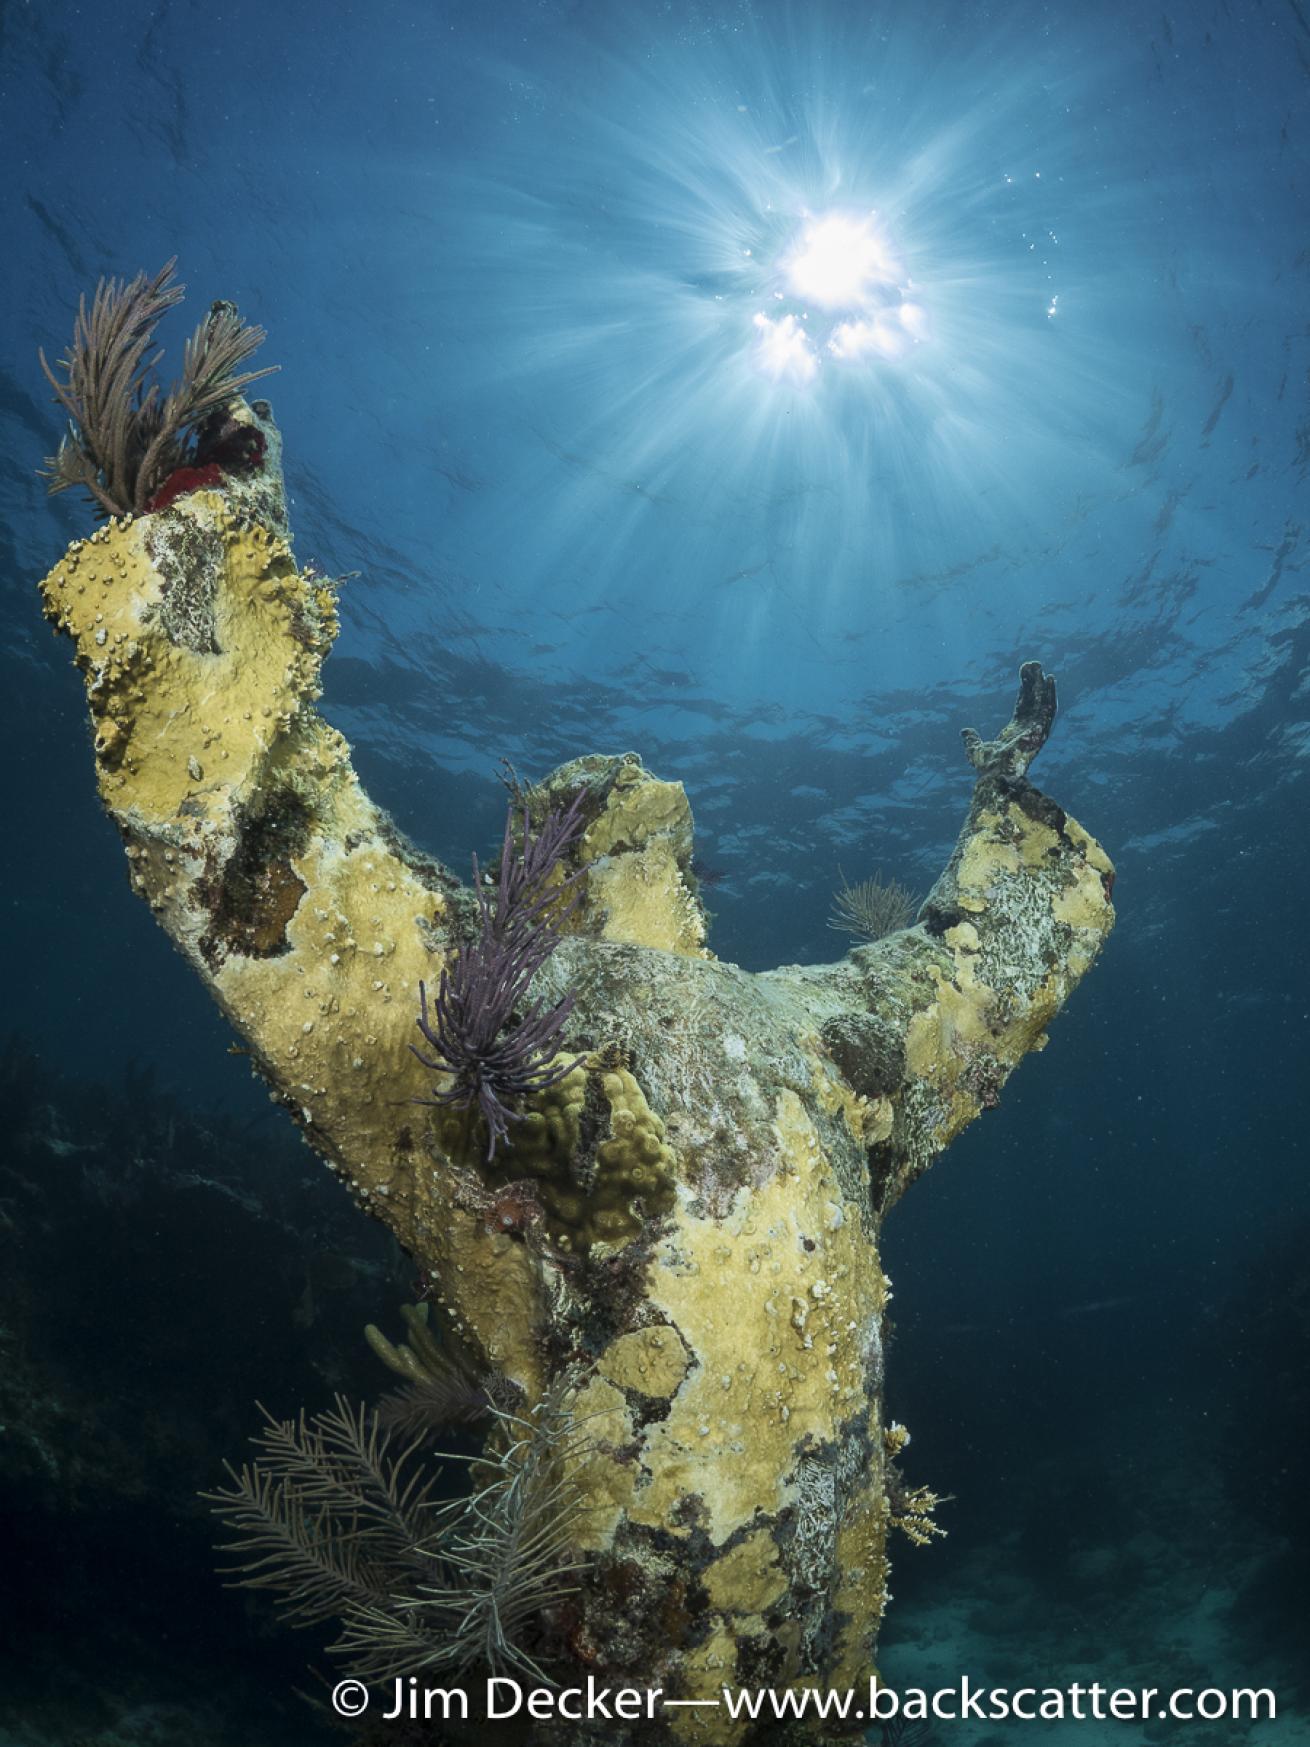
(1024, 735)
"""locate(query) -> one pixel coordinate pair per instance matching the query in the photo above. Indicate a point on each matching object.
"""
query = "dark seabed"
(597, 484)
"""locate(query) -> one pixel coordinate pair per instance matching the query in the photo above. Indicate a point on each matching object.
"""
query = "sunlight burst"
(791, 304)
(841, 268)
(841, 263)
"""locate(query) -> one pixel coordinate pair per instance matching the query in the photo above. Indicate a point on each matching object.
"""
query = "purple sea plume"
(525, 899)
(481, 1027)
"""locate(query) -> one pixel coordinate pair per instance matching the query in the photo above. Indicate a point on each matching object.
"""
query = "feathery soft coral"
(481, 1027)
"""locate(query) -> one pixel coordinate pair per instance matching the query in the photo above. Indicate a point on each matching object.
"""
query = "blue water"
(514, 262)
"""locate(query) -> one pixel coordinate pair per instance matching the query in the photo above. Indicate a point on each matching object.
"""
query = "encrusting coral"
(680, 1234)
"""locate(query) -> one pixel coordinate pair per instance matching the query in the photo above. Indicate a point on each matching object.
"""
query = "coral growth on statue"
(646, 1189)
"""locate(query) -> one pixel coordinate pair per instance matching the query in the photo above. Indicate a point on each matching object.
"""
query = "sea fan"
(872, 909)
(501, 1560)
(336, 1522)
(124, 436)
(328, 1517)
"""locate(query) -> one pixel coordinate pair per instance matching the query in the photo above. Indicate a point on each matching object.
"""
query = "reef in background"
(159, 1268)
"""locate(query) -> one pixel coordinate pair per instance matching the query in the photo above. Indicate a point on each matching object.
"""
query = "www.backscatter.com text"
(502, 1697)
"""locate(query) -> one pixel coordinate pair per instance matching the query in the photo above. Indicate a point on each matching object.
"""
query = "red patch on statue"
(185, 479)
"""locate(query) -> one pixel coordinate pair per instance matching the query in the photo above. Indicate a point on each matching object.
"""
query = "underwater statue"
(671, 1230)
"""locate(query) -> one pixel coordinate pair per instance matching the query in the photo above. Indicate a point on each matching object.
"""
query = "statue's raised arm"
(927, 1024)
(678, 1219)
